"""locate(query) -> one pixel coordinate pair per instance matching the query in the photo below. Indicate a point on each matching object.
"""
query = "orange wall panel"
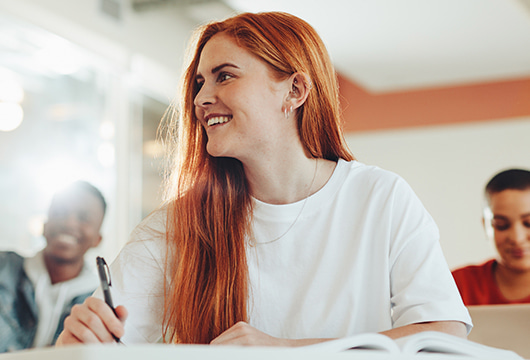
(365, 111)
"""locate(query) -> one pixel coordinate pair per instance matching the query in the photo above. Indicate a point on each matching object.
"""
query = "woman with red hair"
(271, 234)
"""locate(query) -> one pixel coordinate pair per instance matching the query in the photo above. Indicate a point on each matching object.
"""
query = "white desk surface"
(199, 352)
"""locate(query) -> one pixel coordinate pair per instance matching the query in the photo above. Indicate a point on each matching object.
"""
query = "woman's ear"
(300, 86)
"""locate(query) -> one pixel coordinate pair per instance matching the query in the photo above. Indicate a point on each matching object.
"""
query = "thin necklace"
(299, 213)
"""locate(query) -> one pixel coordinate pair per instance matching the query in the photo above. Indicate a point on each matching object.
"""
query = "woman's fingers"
(244, 334)
(122, 313)
(66, 338)
(93, 322)
(105, 321)
(81, 326)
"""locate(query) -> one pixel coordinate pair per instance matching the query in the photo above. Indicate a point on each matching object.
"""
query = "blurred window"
(65, 115)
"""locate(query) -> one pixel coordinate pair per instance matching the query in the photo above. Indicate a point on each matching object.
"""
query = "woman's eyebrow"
(502, 217)
(219, 67)
(216, 69)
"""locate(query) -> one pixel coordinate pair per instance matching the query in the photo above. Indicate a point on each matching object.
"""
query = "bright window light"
(57, 173)
(106, 130)
(11, 90)
(36, 225)
(11, 115)
(60, 58)
(106, 154)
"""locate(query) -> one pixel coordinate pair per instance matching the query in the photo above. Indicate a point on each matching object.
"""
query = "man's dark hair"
(515, 179)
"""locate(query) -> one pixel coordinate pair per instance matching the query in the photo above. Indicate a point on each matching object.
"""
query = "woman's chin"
(216, 151)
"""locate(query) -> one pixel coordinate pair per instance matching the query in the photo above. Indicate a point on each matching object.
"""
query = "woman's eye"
(500, 226)
(526, 224)
(199, 85)
(224, 76)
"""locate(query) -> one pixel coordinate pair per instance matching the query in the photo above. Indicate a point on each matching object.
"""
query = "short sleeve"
(422, 287)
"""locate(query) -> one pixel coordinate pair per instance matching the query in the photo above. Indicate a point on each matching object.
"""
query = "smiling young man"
(37, 293)
(505, 280)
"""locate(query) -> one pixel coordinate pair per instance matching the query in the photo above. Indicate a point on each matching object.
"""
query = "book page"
(366, 341)
(439, 342)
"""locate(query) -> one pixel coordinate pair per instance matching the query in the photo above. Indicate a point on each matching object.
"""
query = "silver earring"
(287, 113)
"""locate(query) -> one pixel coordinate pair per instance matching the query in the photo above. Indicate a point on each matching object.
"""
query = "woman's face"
(511, 227)
(239, 102)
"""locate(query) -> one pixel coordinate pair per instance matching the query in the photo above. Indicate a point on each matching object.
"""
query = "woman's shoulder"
(477, 284)
(360, 170)
(364, 177)
(474, 271)
(152, 226)
(147, 240)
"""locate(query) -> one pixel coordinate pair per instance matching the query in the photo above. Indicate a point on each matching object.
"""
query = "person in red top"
(506, 279)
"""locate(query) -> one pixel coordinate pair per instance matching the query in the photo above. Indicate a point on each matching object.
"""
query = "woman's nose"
(519, 233)
(204, 97)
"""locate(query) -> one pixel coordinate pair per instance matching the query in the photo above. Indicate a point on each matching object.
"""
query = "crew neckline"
(267, 211)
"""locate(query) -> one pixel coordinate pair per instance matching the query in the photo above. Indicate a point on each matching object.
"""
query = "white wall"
(448, 167)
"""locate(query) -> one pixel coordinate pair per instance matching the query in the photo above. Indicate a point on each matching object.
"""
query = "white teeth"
(67, 239)
(218, 120)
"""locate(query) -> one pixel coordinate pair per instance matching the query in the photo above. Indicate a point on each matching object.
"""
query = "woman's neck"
(288, 180)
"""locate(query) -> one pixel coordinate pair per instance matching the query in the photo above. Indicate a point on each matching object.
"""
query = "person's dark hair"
(82, 186)
(515, 179)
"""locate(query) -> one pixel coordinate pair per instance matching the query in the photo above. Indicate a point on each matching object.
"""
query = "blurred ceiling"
(394, 45)
(386, 45)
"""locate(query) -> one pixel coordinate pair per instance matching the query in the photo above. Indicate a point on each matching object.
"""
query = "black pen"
(103, 269)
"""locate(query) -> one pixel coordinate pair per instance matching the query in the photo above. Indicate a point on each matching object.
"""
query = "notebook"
(502, 326)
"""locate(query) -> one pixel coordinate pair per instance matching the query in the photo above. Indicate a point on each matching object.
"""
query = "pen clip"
(106, 271)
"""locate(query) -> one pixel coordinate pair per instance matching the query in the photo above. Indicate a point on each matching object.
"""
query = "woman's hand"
(244, 334)
(92, 322)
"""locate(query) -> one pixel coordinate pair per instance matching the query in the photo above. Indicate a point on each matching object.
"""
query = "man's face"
(73, 227)
(511, 227)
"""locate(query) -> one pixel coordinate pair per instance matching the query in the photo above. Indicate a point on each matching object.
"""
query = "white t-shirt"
(362, 256)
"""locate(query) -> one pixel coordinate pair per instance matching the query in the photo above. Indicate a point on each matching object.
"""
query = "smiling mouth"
(219, 120)
(67, 239)
(519, 253)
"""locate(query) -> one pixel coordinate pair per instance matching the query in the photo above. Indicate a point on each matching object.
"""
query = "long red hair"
(209, 202)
